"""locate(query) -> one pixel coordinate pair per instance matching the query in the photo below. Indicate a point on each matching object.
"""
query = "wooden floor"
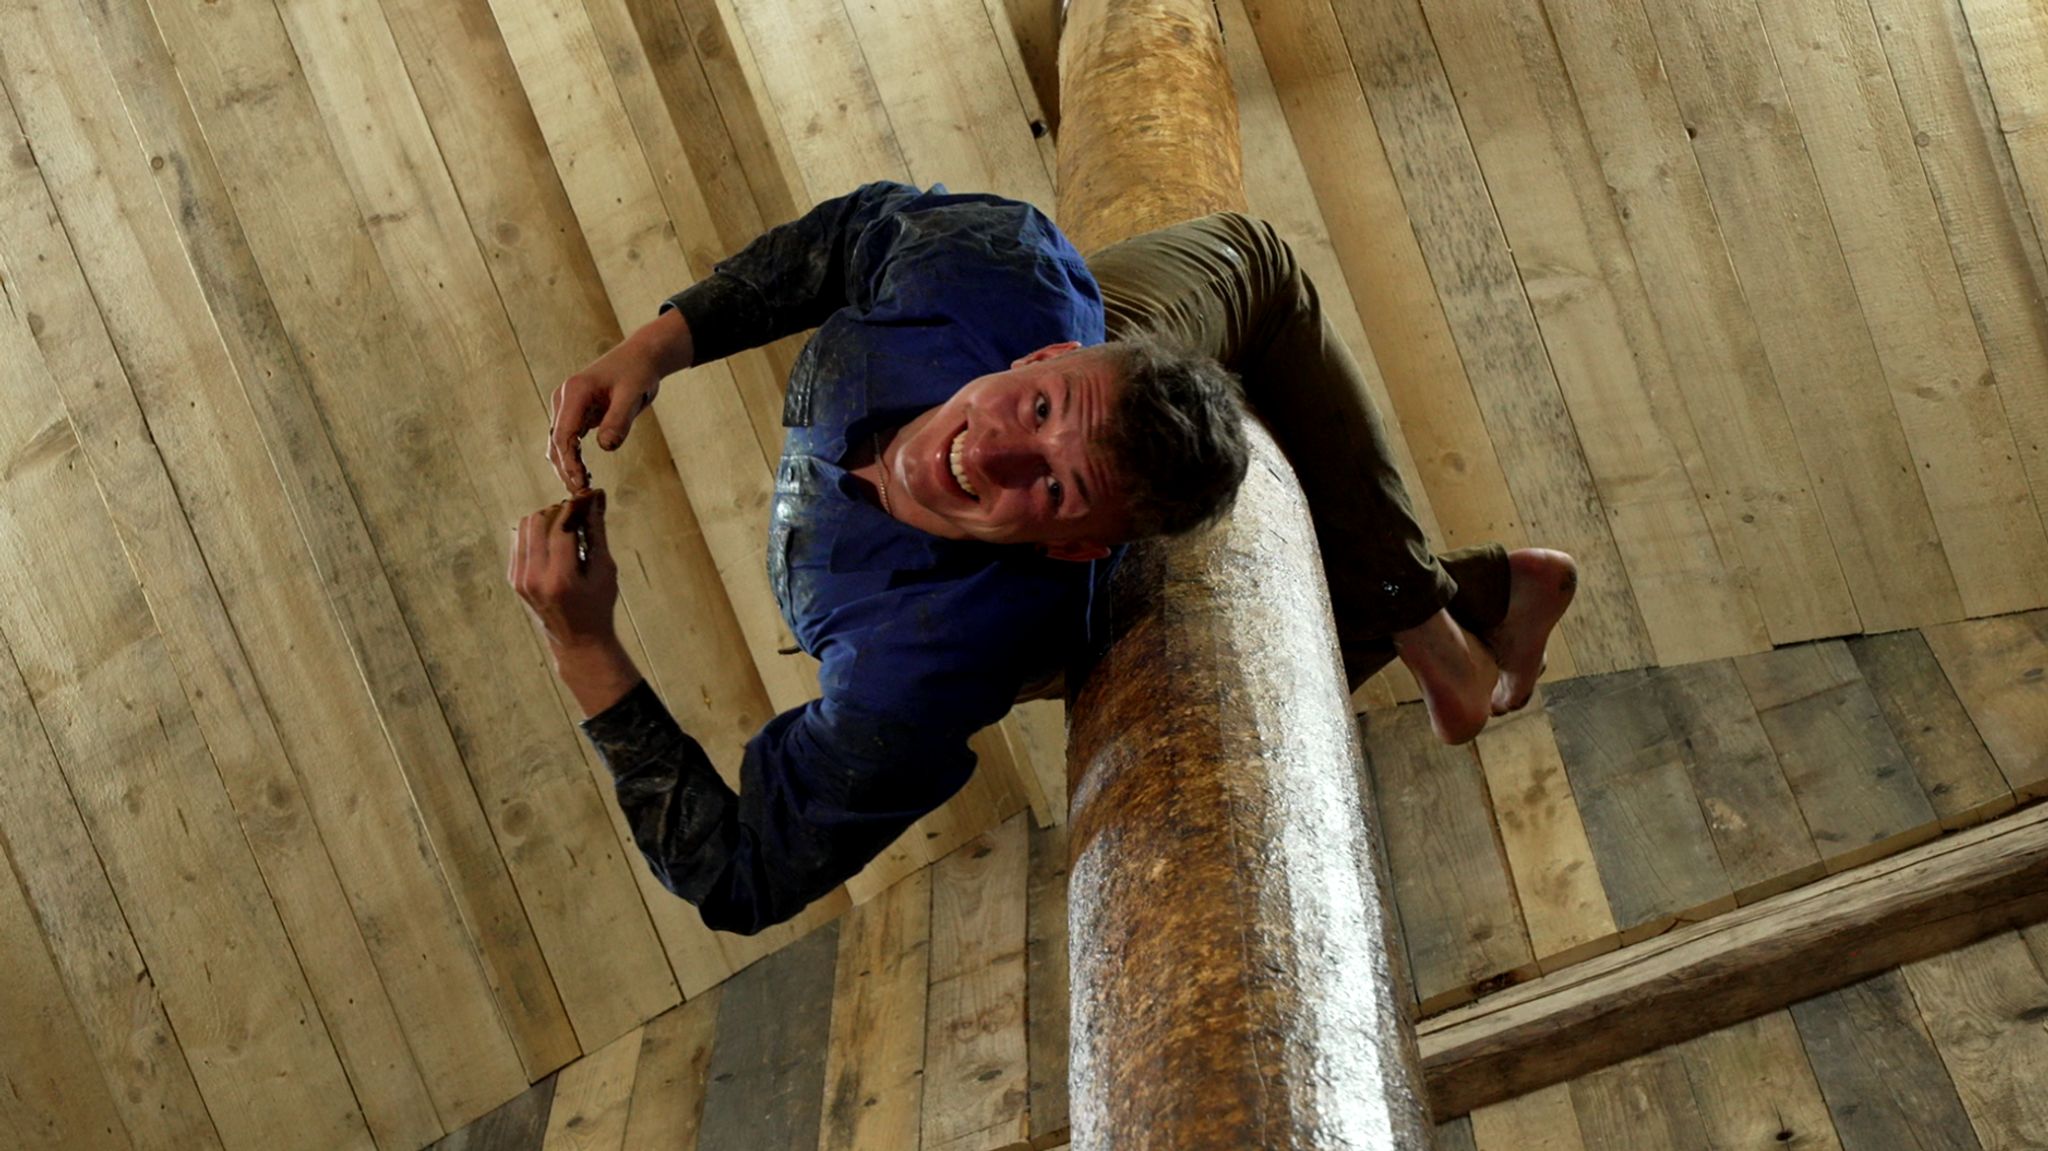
(1623, 804)
(1740, 302)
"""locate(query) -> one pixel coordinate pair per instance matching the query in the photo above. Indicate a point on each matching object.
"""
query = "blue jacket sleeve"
(824, 788)
(789, 279)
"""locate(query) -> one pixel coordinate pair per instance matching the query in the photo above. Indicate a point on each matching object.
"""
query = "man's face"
(1015, 457)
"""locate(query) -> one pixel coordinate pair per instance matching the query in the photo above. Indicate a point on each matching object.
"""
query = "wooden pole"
(1232, 976)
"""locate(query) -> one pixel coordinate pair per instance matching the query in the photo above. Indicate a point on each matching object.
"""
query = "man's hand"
(611, 393)
(562, 568)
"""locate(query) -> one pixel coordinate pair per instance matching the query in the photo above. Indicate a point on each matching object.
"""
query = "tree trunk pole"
(1233, 981)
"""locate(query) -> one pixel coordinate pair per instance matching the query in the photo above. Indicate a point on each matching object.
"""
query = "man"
(964, 457)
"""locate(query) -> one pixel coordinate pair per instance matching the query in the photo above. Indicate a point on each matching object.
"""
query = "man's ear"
(1045, 353)
(1074, 551)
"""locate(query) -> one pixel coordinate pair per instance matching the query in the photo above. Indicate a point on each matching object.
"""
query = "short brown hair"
(1176, 433)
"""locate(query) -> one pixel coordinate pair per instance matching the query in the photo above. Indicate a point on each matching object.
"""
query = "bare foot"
(1456, 673)
(1540, 588)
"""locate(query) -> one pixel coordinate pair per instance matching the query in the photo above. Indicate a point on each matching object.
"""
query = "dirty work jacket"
(922, 641)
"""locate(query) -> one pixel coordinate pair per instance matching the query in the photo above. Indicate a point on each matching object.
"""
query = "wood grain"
(1754, 1088)
(594, 1097)
(668, 1086)
(1736, 966)
(1875, 184)
(1565, 240)
(519, 1124)
(1459, 921)
(1982, 1006)
(1755, 470)
(1999, 668)
(1774, 219)
(1645, 1104)
(1046, 980)
(977, 1075)
(1962, 783)
(875, 1069)
(1764, 844)
(162, 546)
(767, 1080)
(1854, 785)
(1556, 881)
(1878, 1069)
(1628, 774)
(1539, 1121)
(52, 1095)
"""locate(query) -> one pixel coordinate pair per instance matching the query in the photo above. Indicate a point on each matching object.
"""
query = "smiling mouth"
(953, 454)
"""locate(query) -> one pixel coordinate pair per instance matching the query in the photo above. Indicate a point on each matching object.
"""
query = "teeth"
(959, 472)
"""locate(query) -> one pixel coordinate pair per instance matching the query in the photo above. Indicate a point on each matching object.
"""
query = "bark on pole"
(1233, 986)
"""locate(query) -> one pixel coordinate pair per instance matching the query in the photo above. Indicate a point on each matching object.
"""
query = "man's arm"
(824, 788)
(789, 279)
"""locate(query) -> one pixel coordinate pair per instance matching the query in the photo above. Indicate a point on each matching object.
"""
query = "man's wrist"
(667, 342)
(597, 671)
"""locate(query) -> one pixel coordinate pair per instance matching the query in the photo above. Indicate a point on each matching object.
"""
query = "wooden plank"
(52, 1095)
(1455, 1135)
(1348, 169)
(1565, 240)
(555, 830)
(1459, 921)
(668, 1087)
(1489, 316)
(594, 1098)
(874, 1071)
(1628, 773)
(1642, 1105)
(1764, 844)
(1934, 53)
(1982, 1007)
(2012, 41)
(977, 1079)
(676, 619)
(517, 1125)
(934, 64)
(1878, 1069)
(216, 443)
(684, 194)
(736, 83)
(1962, 783)
(1996, 666)
(1854, 784)
(1872, 177)
(1046, 1005)
(129, 471)
(1736, 966)
(1754, 1088)
(822, 92)
(102, 682)
(767, 1084)
(87, 937)
(1539, 1121)
(1775, 222)
(1278, 192)
(1556, 880)
(288, 347)
(1752, 457)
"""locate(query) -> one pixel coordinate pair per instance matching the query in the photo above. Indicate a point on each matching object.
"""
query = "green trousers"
(1229, 286)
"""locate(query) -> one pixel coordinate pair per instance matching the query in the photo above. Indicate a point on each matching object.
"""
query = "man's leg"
(1227, 285)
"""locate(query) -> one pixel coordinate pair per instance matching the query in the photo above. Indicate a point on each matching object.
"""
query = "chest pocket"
(798, 487)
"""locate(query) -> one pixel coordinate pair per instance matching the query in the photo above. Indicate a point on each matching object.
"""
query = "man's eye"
(1044, 409)
(1053, 489)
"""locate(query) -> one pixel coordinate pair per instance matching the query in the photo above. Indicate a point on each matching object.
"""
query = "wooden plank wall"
(1624, 804)
(1741, 302)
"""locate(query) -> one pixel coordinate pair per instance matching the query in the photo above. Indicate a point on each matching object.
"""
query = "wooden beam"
(1761, 958)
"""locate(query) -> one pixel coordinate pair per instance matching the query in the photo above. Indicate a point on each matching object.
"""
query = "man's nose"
(1008, 461)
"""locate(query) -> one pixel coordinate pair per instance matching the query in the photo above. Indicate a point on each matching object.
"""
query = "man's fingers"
(617, 423)
(570, 419)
